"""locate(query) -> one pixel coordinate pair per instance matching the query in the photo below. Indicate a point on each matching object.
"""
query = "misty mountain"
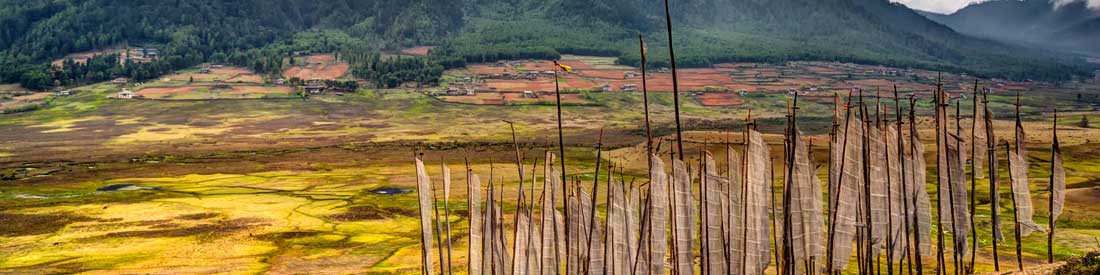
(1037, 23)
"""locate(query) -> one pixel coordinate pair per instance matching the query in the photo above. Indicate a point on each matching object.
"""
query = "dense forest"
(260, 34)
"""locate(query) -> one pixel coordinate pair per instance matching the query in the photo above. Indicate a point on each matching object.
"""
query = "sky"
(950, 6)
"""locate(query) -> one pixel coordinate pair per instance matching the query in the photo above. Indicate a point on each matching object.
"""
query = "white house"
(125, 94)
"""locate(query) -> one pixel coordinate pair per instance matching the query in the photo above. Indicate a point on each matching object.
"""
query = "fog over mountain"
(951, 6)
(1063, 25)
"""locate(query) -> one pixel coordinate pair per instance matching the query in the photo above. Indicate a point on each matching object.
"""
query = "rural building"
(125, 94)
(630, 87)
(454, 91)
(120, 80)
(64, 93)
(630, 74)
(314, 89)
(529, 94)
(204, 70)
(280, 81)
(605, 87)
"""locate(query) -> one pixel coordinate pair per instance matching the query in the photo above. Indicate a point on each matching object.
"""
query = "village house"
(64, 93)
(529, 94)
(605, 87)
(629, 87)
(630, 74)
(125, 94)
(120, 81)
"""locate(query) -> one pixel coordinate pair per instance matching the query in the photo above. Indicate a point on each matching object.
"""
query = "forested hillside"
(260, 33)
(256, 33)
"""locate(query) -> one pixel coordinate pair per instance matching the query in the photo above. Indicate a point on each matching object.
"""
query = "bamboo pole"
(831, 242)
(595, 189)
(1015, 213)
(916, 218)
(561, 152)
(675, 82)
(904, 186)
(941, 261)
(1015, 217)
(1053, 152)
(973, 179)
(991, 158)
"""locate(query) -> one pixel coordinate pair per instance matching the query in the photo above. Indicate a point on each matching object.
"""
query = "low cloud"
(1092, 4)
(951, 6)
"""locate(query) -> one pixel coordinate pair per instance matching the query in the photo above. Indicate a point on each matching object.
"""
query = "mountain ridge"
(258, 33)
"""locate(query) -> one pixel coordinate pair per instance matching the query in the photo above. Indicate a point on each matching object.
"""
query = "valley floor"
(281, 186)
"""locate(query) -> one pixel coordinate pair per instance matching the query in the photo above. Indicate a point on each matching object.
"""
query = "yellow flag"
(564, 67)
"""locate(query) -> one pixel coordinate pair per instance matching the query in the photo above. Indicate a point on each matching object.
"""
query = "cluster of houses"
(140, 54)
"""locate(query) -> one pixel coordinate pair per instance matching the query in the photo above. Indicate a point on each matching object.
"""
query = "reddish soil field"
(605, 74)
(165, 92)
(520, 85)
(873, 83)
(417, 51)
(565, 98)
(719, 99)
(186, 92)
(227, 74)
(493, 98)
(318, 71)
(481, 69)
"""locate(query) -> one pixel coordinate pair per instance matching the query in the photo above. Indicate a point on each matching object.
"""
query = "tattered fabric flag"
(473, 203)
(979, 141)
(1021, 143)
(534, 253)
(897, 196)
(959, 195)
(994, 185)
(550, 234)
(684, 222)
(617, 237)
(504, 256)
(845, 208)
(712, 200)
(632, 228)
(757, 201)
(658, 216)
(918, 170)
(574, 256)
(995, 200)
(424, 192)
(1022, 194)
(879, 211)
(734, 218)
(488, 252)
(521, 265)
(591, 246)
(560, 225)
(807, 220)
(1058, 184)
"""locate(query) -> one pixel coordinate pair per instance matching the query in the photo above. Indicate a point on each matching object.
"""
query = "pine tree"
(1084, 122)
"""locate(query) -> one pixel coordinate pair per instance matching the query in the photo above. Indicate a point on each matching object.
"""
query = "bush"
(1088, 264)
